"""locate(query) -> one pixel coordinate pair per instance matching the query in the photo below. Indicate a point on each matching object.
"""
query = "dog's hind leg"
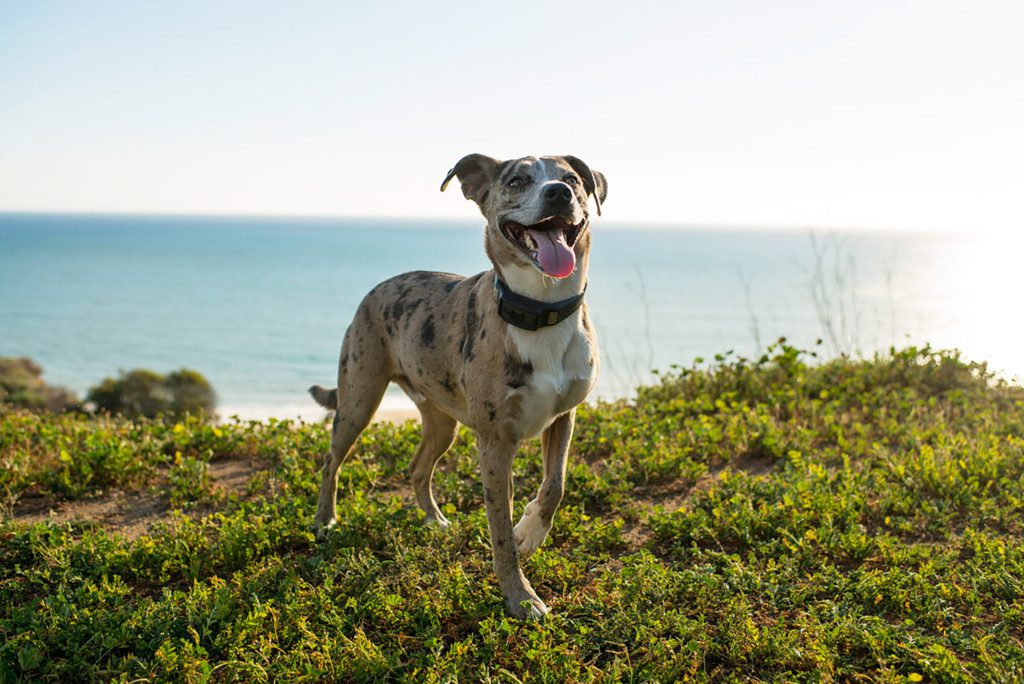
(359, 393)
(535, 524)
(439, 431)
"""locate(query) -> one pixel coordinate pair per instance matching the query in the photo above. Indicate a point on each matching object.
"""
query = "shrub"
(22, 385)
(142, 393)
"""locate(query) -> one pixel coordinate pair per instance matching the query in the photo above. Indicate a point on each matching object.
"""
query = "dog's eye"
(516, 182)
(571, 179)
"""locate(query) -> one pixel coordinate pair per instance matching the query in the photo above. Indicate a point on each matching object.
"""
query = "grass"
(766, 519)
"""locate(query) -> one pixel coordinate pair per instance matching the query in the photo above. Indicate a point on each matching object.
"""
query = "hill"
(762, 519)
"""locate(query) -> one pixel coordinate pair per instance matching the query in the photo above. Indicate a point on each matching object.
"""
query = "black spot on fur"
(467, 344)
(451, 286)
(493, 415)
(427, 331)
(397, 309)
(483, 333)
(517, 373)
(448, 384)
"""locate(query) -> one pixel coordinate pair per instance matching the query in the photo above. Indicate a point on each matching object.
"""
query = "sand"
(395, 415)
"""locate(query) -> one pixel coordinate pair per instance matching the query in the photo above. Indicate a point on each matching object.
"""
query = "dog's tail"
(328, 398)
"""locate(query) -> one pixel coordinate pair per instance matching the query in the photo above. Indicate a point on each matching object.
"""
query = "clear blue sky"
(850, 114)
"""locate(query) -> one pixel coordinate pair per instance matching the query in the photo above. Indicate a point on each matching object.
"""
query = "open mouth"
(548, 243)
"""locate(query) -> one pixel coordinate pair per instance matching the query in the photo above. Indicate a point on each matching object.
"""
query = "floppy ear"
(593, 181)
(475, 172)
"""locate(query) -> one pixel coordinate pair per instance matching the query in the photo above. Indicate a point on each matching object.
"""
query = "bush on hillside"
(22, 385)
(142, 393)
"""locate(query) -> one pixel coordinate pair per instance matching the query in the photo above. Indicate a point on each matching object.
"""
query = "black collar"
(531, 314)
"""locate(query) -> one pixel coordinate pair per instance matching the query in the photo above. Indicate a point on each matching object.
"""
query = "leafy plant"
(143, 393)
(22, 385)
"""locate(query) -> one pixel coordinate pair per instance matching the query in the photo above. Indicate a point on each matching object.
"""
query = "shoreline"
(395, 416)
(392, 409)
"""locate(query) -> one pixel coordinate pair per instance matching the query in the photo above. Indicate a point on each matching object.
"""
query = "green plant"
(22, 385)
(145, 393)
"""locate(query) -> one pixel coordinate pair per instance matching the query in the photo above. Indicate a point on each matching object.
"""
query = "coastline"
(394, 409)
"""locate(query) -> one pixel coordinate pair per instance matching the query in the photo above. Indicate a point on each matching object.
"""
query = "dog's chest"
(563, 371)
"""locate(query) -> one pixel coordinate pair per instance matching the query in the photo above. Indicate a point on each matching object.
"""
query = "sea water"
(259, 305)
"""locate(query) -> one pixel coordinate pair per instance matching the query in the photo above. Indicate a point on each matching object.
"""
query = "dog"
(509, 352)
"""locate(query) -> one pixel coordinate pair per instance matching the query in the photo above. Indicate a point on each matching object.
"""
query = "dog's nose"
(557, 192)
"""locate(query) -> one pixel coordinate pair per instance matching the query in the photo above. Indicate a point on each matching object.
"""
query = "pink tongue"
(555, 256)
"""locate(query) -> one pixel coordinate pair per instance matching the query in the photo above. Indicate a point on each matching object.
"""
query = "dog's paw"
(438, 521)
(322, 529)
(526, 607)
(530, 531)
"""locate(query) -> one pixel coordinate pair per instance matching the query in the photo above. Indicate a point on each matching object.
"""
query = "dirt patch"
(673, 496)
(133, 513)
(635, 535)
(129, 513)
(751, 463)
(755, 463)
(232, 476)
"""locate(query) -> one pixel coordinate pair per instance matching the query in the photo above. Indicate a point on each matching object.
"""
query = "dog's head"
(536, 208)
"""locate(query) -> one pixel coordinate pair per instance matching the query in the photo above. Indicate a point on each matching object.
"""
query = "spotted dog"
(509, 352)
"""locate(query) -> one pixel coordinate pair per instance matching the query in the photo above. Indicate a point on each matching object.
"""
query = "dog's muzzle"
(548, 243)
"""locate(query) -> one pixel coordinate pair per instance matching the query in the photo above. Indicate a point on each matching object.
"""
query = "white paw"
(438, 521)
(526, 607)
(530, 531)
(322, 529)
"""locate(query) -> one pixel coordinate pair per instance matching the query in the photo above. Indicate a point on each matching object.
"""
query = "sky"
(875, 115)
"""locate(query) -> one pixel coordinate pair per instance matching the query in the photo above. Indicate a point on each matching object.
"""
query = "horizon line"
(681, 226)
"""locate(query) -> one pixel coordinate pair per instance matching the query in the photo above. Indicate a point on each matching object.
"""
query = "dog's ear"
(593, 181)
(475, 172)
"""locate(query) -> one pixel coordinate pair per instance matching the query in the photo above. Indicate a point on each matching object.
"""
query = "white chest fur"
(559, 356)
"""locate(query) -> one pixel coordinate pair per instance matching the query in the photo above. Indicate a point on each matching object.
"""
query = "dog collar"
(531, 314)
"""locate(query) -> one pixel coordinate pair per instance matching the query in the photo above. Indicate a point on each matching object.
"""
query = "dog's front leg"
(535, 524)
(496, 459)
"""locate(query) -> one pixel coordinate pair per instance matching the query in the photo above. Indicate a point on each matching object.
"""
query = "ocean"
(259, 305)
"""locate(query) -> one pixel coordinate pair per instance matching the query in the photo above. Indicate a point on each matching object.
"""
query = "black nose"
(558, 193)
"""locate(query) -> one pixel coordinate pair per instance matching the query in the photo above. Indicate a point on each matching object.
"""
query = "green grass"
(761, 519)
